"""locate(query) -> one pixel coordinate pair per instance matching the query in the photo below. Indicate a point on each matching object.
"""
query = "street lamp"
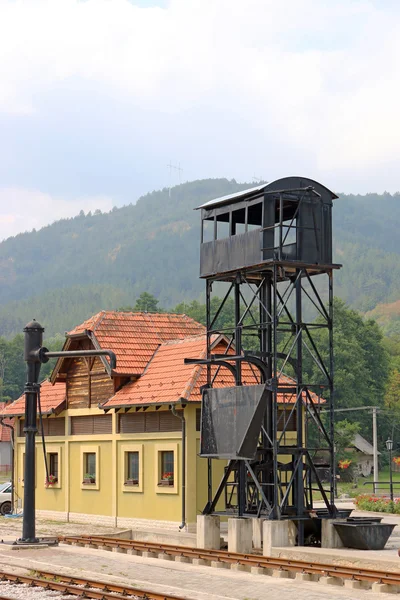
(389, 446)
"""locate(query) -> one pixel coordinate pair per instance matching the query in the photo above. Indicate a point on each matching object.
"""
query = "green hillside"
(65, 272)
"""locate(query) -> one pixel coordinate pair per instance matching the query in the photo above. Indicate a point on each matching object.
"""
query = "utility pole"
(375, 446)
(177, 168)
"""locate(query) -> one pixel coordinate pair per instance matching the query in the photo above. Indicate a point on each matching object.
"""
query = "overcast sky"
(97, 96)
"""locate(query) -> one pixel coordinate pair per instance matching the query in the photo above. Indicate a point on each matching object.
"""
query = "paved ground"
(192, 582)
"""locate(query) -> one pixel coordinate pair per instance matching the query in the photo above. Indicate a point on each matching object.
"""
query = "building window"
(53, 465)
(131, 474)
(54, 468)
(90, 467)
(132, 468)
(167, 467)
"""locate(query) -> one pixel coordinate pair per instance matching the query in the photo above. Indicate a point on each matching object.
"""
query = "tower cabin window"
(238, 222)
(254, 216)
(207, 234)
(222, 226)
(235, 222)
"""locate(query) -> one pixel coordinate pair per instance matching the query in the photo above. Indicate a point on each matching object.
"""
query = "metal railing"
(378, 485)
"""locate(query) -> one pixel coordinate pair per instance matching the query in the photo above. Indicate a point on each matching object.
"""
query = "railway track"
(85, 588)
(260, 563)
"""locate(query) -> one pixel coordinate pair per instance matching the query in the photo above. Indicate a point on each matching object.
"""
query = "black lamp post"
(389, 446)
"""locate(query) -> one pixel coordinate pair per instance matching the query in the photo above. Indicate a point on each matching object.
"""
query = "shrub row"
(377, 504)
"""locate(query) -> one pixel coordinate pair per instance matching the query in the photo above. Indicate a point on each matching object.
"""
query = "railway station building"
(122, 445)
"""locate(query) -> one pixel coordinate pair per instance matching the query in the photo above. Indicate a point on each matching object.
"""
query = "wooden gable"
(88, 383)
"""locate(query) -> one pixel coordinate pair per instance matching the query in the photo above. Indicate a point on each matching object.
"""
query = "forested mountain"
(65, 272)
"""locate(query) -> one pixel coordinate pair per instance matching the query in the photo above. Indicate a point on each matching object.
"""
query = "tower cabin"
(288, 221)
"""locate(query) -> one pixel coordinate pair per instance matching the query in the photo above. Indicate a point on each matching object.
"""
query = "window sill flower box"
(166, 482)
(89, 480)
(132, 482)
(52, 480)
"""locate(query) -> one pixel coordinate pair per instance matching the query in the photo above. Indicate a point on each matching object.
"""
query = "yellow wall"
(110, 496)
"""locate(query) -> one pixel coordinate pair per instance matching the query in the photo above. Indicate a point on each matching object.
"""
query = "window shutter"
(91, 425)
(169, 422)
(82, 425)
(152, 422)
(132, 423)
(56, 426)
(102, 424)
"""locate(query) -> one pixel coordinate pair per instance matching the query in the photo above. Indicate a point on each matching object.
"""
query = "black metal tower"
(267, 245)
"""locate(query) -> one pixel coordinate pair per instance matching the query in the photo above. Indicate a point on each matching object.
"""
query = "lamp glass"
(389, 444)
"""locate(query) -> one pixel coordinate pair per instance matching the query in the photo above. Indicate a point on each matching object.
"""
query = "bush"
(377, 504)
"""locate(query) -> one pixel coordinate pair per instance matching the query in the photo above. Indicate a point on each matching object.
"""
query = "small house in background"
(364, 455)
(5, 445)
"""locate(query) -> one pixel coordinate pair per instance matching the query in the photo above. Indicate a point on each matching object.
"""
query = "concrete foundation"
(384, 588)
(304, 577)
(280, 574)
(331, 580)
(257, 532)
(352, 584)
(240, 535)
(329, 536)
(217, 564)
(278, 534)
(208, 532)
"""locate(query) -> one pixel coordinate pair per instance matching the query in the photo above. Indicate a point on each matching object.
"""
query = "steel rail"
(69, 584)
(250, 560)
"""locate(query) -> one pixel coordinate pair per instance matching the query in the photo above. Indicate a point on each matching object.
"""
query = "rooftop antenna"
(171, 167)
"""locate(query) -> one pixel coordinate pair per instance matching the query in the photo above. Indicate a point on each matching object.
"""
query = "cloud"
(97, 96)
(24, 210)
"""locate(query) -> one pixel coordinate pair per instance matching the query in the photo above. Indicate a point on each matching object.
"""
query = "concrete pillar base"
(119, 550)
(132, 552)
(108, 548)
(240, 535)
(208, 532)
(331, 580)
(257, 532)
(278, 534)
(329, 536)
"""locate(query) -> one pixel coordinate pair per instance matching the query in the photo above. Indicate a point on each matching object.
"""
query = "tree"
(392, 396)
(146, 303)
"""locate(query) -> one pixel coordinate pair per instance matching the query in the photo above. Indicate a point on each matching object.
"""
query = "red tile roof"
(167, 379)
(134, 337)
(5, 432)
(52, 398)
